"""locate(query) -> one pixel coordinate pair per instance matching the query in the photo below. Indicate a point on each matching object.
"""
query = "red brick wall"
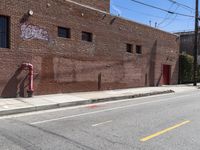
(69, 65)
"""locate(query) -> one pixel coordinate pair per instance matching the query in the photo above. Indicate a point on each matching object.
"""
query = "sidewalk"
(37, 103)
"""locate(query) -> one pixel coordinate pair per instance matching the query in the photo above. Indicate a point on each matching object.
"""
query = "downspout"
(29, 67)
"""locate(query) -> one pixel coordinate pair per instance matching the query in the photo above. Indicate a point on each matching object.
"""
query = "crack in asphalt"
(106, 139)
(73, 142)
(18, 140)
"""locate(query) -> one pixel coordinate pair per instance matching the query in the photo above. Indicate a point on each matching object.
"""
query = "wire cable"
(180, 4)
(142, 13)
(164, 10)
(172, 20)
(167, 16)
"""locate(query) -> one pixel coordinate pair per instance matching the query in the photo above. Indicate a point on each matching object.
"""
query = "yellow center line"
(163, 131)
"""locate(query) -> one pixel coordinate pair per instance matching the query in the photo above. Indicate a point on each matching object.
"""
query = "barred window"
(86, 36)
(4, 32)
(129, 48)
(64, 32)
(138, 49)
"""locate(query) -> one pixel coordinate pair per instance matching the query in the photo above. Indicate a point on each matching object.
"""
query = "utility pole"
(196, 43)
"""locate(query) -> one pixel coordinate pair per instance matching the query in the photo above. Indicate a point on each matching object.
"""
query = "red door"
(166, 74)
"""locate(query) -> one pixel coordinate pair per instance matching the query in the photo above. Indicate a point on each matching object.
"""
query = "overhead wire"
(162, 9)
(172, 20)
(142, 13)
(183, 5)
(169, 12)
(167, 16)
(169, 22)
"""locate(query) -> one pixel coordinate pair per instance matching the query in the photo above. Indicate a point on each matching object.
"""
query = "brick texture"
(70, 65)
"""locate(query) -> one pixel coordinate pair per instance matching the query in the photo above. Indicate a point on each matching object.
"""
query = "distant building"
(187, 47)
(76, 45)
(187, 42)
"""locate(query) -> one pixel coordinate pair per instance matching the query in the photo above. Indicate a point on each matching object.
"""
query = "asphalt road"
(165, 122)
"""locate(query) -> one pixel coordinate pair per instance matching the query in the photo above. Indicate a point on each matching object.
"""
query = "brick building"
(76, 45)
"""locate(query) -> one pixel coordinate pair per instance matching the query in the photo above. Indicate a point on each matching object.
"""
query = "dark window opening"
(129, 48)
(86, 36)
(138, 49)
(4, 32)
(64, 32)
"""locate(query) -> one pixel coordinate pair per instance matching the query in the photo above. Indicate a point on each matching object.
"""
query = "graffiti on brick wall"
(29, 31)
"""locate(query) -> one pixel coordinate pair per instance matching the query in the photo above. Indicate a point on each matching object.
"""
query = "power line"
(169, 22)
(180, 4)
(172, 20)
(167, 16)
(161, 9)
(144, 14)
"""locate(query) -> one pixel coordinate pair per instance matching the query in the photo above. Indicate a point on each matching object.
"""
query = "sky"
(168, 22)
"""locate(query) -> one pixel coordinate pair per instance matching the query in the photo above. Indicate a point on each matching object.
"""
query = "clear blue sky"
(165, 21)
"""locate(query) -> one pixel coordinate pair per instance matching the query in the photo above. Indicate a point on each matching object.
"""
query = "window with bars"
(4, 32)
(64, 32)
(87, 36)
(129, 48)
(138, 49)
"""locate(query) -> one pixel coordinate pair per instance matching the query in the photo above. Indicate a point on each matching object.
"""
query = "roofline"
(87, 6)
(187, 33)
(107, 13)
(144, 25)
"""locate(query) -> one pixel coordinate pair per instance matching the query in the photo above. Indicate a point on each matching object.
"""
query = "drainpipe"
(29, 67)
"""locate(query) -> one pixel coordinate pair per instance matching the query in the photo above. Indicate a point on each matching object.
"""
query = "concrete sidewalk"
(37, 103)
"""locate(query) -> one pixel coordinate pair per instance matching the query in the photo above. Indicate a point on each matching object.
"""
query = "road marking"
(99, 111)
(164, 131)
(102, 123)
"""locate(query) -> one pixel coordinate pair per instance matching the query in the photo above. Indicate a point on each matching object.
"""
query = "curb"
(77, 103)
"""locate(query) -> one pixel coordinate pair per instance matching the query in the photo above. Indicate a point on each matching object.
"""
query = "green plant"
(186, 68)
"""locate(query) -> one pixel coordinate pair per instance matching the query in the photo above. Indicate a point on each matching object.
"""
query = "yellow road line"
(163, 131)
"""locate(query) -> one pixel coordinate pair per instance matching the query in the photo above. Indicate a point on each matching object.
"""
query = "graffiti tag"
(29, 31)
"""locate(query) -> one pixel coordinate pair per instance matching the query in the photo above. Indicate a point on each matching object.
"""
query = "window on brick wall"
(4, 32)
(129, 48)
(138, 49)
(64, 32)
(87, 36)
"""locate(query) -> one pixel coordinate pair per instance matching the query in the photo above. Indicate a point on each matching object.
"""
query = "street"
(163, 122)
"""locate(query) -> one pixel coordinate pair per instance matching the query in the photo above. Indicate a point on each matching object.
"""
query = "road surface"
(164, 122)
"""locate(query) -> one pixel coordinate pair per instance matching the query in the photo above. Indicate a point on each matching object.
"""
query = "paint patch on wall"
(29, 32)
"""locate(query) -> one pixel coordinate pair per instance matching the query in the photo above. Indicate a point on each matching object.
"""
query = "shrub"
(186, 68)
